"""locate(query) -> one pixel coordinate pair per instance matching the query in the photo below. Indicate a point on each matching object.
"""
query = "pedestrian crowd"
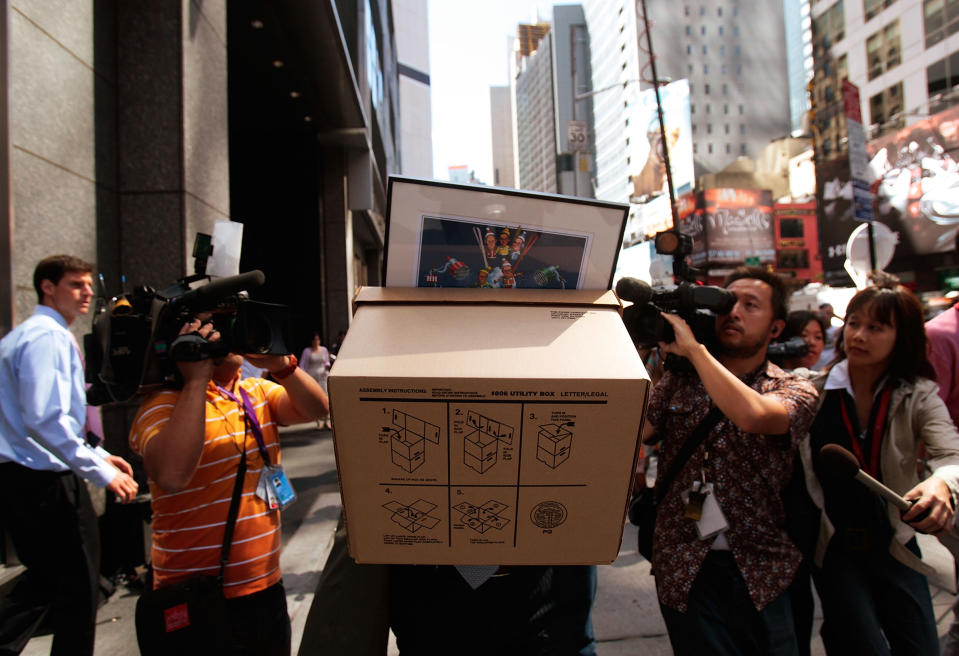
(754, 510)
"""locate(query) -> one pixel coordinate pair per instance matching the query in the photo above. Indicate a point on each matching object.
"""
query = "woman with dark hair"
(811, 328)
(880, 402)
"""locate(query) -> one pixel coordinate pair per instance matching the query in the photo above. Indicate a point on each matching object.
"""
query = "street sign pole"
(858, 163)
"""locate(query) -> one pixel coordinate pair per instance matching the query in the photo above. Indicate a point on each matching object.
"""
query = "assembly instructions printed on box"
(488, 470)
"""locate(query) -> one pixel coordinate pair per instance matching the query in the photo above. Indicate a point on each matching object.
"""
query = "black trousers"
(529, 611)
(261, 625)
(53, 526)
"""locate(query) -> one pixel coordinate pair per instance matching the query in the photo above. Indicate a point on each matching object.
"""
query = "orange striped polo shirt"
(188, 525)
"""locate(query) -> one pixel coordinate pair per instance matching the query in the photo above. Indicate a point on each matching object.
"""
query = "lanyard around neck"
(873, 431)
(251, 418)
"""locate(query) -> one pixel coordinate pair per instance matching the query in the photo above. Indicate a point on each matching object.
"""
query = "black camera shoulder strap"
(233, 512)
(692, 442)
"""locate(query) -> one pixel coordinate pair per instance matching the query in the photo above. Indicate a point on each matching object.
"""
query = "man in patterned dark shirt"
(726, 592)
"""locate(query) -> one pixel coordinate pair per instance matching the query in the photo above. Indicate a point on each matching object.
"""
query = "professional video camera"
(794, 347)
(135, 342)
(697, 304)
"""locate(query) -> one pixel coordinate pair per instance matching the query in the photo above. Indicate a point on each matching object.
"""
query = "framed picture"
(449, 235)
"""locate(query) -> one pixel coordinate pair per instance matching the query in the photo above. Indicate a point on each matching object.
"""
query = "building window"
(725, 89)
(690, 88)
(695, 149)
(830, 26)
(704, 50)
(709, 108)
(694, 128)
(942, 78)
(702, 30)
(723, 69)
(742, 128)
(721, 30)
(742, 110)
(882, 50)
(742, 149)
(706, 88)
(686, 10)
(729, 148)
(689, 30)
(735, 30)
(689, 50)
(690, 68)
(722, 51)
(793, 258)
(705, 69)
(692, 108)
(709, 148)
(871, 8)
(791, 228)
(709, 128)
(702, 10)
(885, 105)
(941, 18)
(736, 51)
(719, 11)
(727, 128)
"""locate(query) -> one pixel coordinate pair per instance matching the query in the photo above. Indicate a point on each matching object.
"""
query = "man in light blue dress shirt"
(44, 459)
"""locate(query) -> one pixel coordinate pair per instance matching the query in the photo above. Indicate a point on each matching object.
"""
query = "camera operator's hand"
(684, 342)
(272, 363)
(199, 370)
(172, 455)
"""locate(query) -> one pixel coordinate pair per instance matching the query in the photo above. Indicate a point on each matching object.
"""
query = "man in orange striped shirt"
(191, 441)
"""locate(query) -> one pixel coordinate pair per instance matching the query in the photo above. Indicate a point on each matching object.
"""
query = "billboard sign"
(834, 204)
(649, 174)
(738, 224)
(915, 175)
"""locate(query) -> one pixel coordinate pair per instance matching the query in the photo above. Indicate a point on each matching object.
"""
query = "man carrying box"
(722, 559)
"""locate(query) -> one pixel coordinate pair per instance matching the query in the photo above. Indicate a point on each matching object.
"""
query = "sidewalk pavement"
(626, 613)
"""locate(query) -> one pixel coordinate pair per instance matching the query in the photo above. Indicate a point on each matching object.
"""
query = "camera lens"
(259, 334)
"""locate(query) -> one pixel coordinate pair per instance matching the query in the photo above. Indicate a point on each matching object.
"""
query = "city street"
(626, 614)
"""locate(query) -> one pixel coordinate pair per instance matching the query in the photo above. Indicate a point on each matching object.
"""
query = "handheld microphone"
(841, 464)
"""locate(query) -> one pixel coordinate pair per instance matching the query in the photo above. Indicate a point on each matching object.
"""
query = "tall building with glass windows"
(798, 22)
(731, 51)
(411, 32)
(550, 85)
(902, 54)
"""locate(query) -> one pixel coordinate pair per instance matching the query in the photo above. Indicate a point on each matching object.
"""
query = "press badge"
(703, 508)
(275, 488)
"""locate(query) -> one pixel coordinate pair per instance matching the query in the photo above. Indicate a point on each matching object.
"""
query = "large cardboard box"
(474, 426)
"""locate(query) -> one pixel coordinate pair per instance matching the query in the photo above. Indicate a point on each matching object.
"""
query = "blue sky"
(468, 55)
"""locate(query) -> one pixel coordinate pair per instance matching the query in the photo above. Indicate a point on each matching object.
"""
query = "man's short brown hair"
(53, 267)
(778, 286)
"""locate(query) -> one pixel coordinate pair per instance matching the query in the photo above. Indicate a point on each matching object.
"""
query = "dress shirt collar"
(48, 311)
(838, 378)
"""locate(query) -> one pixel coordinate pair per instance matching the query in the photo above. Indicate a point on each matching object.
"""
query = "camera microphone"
(212, 292)
(634, 290)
